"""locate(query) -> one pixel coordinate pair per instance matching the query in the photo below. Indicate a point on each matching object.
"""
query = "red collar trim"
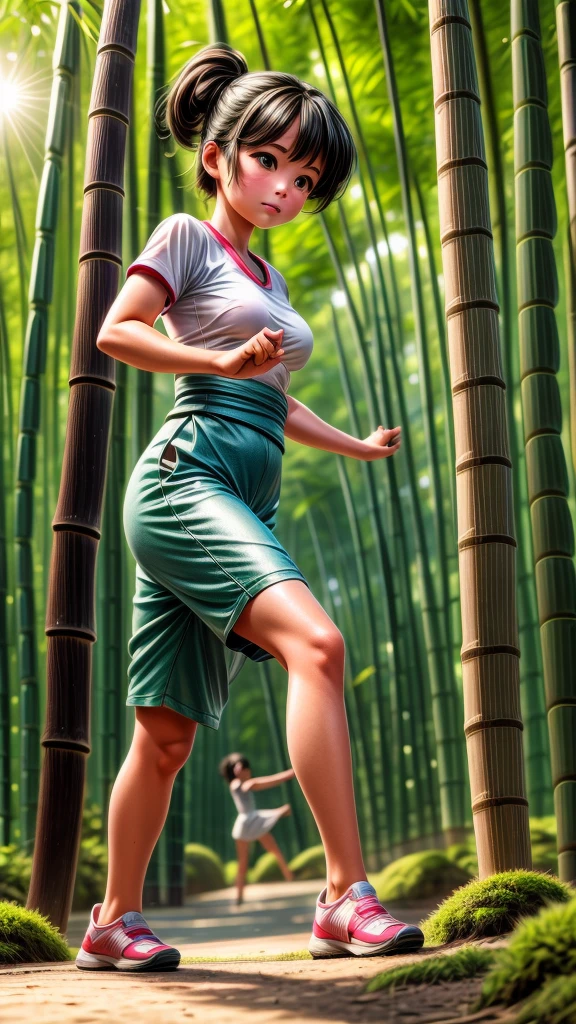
(238, 259)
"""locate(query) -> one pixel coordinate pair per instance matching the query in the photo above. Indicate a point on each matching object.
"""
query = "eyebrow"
(284, 150)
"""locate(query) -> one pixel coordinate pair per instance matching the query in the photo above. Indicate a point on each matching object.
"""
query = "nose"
(281, 189)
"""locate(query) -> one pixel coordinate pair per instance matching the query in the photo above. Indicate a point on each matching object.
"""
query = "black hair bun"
(184, 110)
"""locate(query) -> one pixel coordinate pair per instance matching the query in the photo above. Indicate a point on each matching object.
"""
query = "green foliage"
(464, 855)
(91, 874)
(203, 869)
(543, 840)
(28, 937)
(92, 821)
(554, 1003)
(492, 906)
(541, 948)
(465, 963)
(230, 872)
(92, 861)
(15, 871)
(266, 869)
(16, 867)
(309, 864)
(419, 876)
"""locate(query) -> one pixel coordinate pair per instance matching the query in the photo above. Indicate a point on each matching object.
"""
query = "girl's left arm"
(305, 426)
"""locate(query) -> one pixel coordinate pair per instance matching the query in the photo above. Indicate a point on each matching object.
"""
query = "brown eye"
(307, 181)
(265, 156)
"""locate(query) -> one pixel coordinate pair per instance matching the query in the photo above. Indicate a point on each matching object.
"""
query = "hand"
(381, 443)
(291, 773)
(253, 357)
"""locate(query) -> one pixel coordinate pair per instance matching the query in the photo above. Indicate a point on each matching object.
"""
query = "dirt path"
(234, 992)
(224, 993)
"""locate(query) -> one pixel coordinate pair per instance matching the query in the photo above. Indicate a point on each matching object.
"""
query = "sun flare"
(9, 96)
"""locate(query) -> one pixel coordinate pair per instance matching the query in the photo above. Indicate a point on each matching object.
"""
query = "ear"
(210, 153)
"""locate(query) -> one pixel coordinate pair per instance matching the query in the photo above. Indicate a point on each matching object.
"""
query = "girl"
(213, 584)
(251, 823)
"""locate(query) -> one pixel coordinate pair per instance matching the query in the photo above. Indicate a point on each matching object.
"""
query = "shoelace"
(366, 906)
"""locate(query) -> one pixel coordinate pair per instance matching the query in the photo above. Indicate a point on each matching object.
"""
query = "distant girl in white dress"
(251, 823)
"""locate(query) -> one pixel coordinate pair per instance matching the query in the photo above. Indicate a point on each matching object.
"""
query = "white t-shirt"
(214, 300)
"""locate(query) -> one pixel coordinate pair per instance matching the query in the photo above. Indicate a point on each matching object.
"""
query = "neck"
(231, 224)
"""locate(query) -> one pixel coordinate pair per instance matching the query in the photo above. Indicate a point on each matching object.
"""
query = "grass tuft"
(541, 948)
(465, 963)
(554, 1003)
(28, 937)
(300, 954)
(492, 906)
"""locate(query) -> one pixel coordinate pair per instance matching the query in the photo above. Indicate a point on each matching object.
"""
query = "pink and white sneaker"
(358, 924)
(126, 944)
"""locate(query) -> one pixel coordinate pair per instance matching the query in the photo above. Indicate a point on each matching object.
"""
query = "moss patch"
(431, 970)
(203, 869)
(266, 869)
(230, 872)
(542, 947)
(309, 864)
(554, 1003)
(28, 937)
(492, 906)
(419, 876)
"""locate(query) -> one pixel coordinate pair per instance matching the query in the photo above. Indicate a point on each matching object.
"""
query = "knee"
(171, 755)
(325, 649)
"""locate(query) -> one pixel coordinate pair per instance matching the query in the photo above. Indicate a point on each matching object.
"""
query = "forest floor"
(274, 920)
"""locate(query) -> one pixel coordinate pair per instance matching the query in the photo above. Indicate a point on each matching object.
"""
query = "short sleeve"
(169, 256)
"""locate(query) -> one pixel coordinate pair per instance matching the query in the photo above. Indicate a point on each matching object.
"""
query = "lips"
(273, 206)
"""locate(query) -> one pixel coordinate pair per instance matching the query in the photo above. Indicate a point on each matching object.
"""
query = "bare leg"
(270, 844)
(139, 803)
(287, 620)
(243, 851)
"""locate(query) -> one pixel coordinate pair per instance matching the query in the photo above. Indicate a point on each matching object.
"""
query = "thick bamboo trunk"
(70, 625)
(487, 547)
(552, 528)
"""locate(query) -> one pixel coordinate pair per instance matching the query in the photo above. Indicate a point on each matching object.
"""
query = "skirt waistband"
(246, 401)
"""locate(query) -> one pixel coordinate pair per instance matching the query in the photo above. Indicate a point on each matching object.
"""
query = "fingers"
(265, 345)
(390, 437)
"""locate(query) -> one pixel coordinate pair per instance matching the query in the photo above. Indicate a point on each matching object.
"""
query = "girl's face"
(241, 772)
(271, 189)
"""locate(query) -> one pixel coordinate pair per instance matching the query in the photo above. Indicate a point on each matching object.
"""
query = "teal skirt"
(199, 513)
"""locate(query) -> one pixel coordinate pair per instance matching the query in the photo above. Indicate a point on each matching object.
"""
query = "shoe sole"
(407, 940)
(165, 960)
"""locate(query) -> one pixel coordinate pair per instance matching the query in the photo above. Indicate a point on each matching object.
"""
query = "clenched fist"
(253, 357)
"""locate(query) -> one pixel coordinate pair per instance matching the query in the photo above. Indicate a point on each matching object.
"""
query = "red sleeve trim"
(141, 268)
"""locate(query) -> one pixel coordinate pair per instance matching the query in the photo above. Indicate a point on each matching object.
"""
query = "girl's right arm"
(268, 781)
(128, 334)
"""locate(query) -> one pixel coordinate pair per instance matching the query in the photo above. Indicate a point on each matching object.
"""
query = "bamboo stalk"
(566, 31)
(537, 749)
(551, 521)
(490, 654)
(5, 730)
(34, 365)
(452, 802)
(77, 521)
